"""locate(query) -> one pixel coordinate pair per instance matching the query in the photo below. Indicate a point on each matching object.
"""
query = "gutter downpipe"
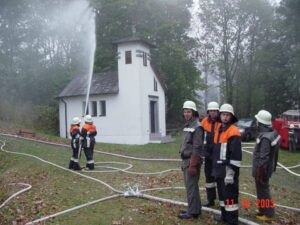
(66, 123)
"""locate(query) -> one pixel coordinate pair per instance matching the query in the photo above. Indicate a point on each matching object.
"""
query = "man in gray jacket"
(191, 155)
(265, 157)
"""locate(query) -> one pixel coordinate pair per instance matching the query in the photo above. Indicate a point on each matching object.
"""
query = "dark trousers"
(265, 203)
(210, 183)
(228, 196)
(192, 190)
(74, 162)
(89, 153)
(75, 153)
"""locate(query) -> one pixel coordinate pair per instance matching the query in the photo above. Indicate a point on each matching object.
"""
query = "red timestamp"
(265, 203)
(259, 204)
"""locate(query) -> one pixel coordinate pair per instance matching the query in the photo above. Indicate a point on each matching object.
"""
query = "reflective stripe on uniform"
(188, 129)
(223, 151)
(275, 141)
(231, 207)
(75, 160)
(74, 143)
(210, 185)
(235, 163)
(204, 141)
(257, 140)
(221, 203)
(88, 142)
(90, 161)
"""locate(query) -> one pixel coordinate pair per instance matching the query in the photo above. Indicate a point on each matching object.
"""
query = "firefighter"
(191, 155)
(88, 133)
(210, 124)
(292, 138)
(227, 156)
(265, 157)
(75, 143)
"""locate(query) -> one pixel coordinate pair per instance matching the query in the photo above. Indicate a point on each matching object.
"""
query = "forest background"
(251, 49)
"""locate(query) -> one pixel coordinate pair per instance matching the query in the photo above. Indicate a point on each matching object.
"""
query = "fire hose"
(278, 163)
(28, 187)
(131, 192)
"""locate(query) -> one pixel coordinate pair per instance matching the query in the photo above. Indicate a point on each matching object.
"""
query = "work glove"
(195, 161)
(229, 175)
(260, 174)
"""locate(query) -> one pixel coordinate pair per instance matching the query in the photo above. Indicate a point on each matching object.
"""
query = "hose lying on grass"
(130, 193)
(278, 163)
(28, 187)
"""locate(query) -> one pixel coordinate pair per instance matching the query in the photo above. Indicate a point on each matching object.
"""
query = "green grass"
(55, 189)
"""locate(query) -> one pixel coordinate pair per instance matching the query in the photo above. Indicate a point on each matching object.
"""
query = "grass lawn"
(55, 189)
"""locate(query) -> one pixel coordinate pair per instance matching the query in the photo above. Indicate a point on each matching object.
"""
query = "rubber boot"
(210, 204)
(91, 166)
(71, 164)
(76, 166)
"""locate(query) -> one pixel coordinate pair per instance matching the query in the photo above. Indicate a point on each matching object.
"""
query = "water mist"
(88, 17)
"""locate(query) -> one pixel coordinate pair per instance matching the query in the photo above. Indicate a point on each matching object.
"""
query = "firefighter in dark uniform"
(292, 138)
(265, 157)
(191, 155)
(88, 133)
(210, 124)
(75, 143)
(227, 156)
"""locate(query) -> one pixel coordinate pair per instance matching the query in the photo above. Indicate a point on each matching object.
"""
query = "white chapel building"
(127, 105)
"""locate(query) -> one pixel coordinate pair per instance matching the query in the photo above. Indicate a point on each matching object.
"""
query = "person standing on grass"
(75, 143)
(227, 156)
(265, 157)
(191, 155)
(292, 138)
(210, 123)
(88, 133)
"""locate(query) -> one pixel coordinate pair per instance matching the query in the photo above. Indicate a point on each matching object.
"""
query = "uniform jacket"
(75, 131)
(192, 139)
(227, 150)
(266, 152)
(75, 135)
(88, 132)
(210, 128)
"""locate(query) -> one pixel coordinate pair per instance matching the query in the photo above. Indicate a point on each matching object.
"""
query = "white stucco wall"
(127, 119)
(147, 91)
(143, 85)
(112, 128)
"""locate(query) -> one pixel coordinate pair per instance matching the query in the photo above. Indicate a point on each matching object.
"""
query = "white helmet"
(189, 105)
(228, 108)
(264, 117)
(212, 106)
(76, 120)
(88, 119)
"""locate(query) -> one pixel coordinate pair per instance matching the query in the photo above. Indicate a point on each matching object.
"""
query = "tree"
(288, 31)
(163, 23)
(258, 21)
(222, 24)
(42, 47)
(237, 30)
